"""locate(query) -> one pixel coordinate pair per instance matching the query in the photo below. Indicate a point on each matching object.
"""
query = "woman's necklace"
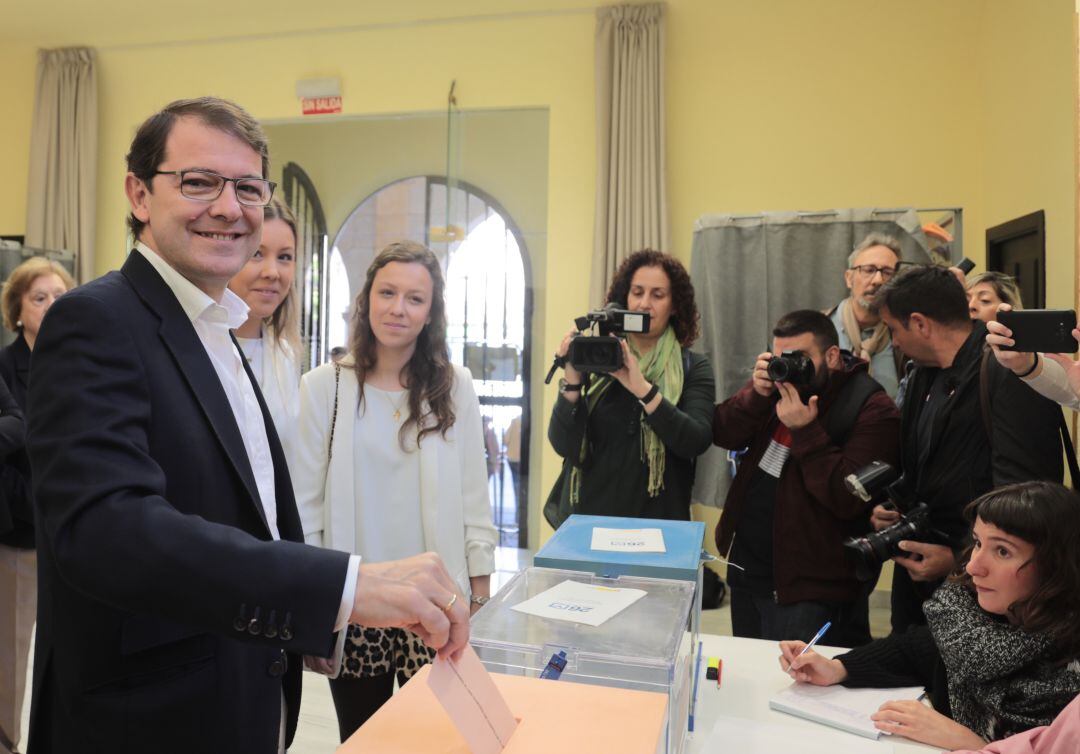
(396, 405)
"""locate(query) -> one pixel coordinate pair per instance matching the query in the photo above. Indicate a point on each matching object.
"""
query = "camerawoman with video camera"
(635, 408)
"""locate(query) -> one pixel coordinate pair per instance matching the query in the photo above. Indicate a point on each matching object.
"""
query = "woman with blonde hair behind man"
(28, 293)
(390, 462)
(988, 289)
(270, 339)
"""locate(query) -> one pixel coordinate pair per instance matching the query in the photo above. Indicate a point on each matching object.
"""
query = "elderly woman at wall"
(27, 295)
(270, 339)
(390, 462)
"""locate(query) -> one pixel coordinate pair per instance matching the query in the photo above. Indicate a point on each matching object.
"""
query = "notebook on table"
(838, 706)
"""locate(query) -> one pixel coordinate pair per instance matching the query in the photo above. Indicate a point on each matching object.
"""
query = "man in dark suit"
(176, 596)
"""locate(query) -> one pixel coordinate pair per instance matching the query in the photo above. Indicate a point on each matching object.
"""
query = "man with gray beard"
(872, 264)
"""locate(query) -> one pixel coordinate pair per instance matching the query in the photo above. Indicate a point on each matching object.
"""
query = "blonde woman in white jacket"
(270, 339)
(390, 462)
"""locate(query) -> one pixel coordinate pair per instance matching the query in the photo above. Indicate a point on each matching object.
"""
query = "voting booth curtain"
(748, 271)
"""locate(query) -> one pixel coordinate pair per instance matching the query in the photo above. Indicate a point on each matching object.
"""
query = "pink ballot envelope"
(550, 714)
(467, 693)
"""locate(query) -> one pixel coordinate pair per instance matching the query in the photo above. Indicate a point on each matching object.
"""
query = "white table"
(751, 675)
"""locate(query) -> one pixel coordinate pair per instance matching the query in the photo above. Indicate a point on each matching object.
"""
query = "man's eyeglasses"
(868, 271)
(204, 186)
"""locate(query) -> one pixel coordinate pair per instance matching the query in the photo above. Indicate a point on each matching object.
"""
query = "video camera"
(600, 351)
(875, 548)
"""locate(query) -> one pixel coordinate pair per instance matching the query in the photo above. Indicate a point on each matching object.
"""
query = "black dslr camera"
(793, 367)
(875, 548)
(600, 351)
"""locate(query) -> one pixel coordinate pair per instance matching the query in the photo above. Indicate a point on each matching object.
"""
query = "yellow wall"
(1028, 65)
(17, 66)
(793, 105)
(782, 104)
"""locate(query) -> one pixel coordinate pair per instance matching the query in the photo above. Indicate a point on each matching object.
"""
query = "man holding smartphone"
(967, 425)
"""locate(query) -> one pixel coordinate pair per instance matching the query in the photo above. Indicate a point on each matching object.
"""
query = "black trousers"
(357, 699)
(907, 599)
(760, 617)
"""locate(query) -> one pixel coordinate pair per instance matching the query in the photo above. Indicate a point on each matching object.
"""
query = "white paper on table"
(628, 540)
(580, 603)
(734, 734)
(839, 706)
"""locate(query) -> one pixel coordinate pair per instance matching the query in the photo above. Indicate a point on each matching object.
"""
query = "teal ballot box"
(612, 546)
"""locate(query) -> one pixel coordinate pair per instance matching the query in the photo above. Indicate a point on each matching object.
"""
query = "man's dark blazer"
(166, 617)
(15, 368)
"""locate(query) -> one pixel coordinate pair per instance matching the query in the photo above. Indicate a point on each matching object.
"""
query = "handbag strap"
(333, 417)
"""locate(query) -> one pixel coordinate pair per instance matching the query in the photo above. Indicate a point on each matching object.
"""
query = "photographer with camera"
(630, 437)
(967, 425)
(811, 415)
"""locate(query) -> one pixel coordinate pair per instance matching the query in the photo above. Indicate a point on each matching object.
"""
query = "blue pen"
(817, 636)
(693, 693)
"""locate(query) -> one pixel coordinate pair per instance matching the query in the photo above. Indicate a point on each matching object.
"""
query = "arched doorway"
(489, 309)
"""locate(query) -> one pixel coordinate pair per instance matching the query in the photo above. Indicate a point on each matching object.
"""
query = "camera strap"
(844, 412)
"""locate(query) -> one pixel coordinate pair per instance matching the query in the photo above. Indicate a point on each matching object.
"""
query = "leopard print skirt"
(378, 651)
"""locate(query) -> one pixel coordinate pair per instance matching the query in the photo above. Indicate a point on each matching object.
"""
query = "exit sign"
(321, 105)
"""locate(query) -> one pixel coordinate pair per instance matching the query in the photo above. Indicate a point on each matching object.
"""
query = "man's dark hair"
(811, 321)
(930, 290)
(147, 150)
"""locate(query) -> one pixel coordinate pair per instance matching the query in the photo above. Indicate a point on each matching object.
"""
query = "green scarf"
(663, 367)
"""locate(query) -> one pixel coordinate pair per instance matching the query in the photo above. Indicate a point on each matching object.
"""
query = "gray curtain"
(62, 192)
(631, 201)
(750, 270)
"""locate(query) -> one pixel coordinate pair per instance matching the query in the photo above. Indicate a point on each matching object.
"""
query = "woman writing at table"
(999, 653)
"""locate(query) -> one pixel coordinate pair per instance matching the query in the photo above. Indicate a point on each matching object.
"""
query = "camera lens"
(779, 368)
(877, 547)
(793, 367)
(601, 353)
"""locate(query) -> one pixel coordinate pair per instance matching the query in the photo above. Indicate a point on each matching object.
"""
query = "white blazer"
(455, 509)
(281, 389)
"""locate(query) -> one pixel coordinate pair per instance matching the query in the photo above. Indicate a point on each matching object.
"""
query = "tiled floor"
(318, 734)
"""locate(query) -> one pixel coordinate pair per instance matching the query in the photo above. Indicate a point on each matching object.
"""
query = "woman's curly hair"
(685, 319)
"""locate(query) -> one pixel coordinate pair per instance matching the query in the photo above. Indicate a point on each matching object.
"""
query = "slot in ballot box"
(644, 647)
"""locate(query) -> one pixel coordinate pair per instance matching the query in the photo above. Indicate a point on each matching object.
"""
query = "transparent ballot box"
(645, 647)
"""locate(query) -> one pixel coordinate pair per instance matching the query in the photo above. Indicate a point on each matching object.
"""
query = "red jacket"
(813, 512)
